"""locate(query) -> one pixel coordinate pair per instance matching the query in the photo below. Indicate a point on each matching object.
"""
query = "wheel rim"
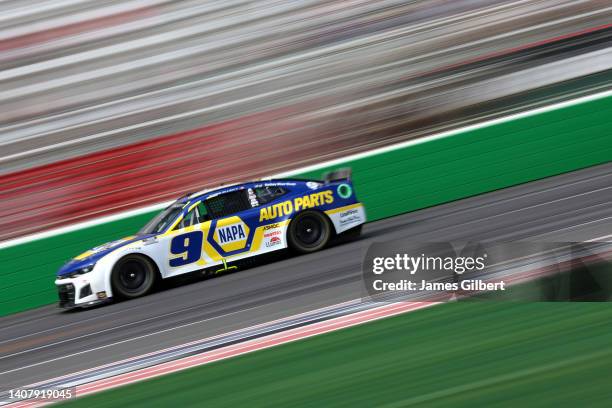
(132, 275)
(309, 231)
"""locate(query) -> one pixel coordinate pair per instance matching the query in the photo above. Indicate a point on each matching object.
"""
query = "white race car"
(210, 230)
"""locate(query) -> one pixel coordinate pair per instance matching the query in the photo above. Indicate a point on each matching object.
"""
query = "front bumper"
(78, 292)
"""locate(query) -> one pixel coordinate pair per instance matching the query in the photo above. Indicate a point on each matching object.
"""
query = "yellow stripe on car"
(345, 208)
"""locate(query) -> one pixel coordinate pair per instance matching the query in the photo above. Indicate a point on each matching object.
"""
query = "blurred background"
(113, 105)
(109, 106)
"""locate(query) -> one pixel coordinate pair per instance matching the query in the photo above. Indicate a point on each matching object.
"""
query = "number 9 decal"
(186, 247)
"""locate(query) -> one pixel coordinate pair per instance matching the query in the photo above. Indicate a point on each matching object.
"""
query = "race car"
(211, 231)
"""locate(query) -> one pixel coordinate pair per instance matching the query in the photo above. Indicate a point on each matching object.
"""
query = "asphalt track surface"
(44, 343)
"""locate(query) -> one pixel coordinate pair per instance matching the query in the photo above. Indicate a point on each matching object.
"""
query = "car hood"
(93, 255)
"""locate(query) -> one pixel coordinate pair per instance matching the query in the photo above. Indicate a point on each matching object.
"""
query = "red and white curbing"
(243, 348)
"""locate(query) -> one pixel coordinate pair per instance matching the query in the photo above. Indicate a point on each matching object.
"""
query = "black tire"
(133, 276)
(308, 232)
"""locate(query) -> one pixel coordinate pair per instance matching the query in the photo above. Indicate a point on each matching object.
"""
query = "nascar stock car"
(211, 231)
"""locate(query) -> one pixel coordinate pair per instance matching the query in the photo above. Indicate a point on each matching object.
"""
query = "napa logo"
(231, 234)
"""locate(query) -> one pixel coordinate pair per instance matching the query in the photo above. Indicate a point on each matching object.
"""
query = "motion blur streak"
(113, 105)
(40, 344)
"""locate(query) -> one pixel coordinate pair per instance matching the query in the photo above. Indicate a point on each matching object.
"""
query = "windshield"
(162, 220)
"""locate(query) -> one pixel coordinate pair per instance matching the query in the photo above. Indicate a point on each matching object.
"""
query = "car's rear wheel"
(133, 276)
(308, 232)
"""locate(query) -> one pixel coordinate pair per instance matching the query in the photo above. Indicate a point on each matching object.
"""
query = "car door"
(234, 221)
(272, 236)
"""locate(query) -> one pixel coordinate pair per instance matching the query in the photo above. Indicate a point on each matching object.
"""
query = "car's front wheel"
(133, 276)
(308, 232)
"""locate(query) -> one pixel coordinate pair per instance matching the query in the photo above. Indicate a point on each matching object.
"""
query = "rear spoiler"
(337, 175)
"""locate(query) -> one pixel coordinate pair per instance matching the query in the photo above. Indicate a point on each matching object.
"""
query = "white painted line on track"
(318, 166)
(582, 225)
(604, 238)
(259, 344)
(191, 343)
(106, 345)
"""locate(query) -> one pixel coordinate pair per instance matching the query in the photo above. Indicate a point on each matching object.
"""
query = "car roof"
(212, 192)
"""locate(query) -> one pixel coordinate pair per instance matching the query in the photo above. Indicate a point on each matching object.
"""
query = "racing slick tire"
(308, 232)
(133, 276)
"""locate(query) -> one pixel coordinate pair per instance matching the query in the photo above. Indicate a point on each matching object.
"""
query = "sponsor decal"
(272, 234)
(275, 211)
(271, 226)
(349, 217)
(231, 233)
(313, 185)
(348, 213)
(252, 198)
(350, 220)
(274, 241)
(275, 184)
(344, 190)
(299, 203)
